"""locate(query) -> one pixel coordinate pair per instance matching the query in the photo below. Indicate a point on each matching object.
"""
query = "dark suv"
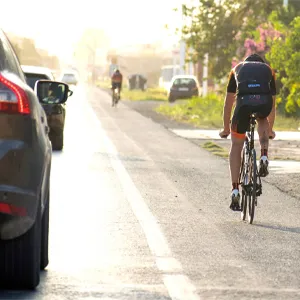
(56, 113)
(25, 165)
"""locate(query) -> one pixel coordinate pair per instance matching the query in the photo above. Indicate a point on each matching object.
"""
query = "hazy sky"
(57, 24)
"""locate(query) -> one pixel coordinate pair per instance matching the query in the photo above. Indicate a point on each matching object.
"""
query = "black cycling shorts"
(116, 85)
(245, 106)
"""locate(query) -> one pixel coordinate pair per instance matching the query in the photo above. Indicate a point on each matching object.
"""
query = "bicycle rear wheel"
(252, 193)
(244, 206)
(114, 98)
(244, 195)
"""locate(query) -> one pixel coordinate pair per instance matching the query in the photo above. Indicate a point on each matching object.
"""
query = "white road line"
(178, 285)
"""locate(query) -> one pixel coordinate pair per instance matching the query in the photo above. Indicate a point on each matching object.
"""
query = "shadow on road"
(278, 227)
(46, 291)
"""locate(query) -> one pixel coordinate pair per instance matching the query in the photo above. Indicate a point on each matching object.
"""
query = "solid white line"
(178, 285)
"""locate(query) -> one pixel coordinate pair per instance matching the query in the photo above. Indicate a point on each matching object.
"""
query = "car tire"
(171, 99)
(20, 258)
(45, 234)
(58, 142)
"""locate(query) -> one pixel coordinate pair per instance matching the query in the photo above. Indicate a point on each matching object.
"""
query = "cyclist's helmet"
(117, 71)
(255, 57)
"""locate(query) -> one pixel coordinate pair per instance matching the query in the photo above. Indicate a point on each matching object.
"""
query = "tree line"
(28, 54)
(229, 30)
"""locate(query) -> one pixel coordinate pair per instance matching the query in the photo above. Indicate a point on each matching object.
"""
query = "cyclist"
(116, 81)
(251, 86)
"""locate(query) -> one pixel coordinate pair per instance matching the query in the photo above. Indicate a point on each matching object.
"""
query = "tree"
(285, 57)
(231, 28)
(28, 54)
(211, 28)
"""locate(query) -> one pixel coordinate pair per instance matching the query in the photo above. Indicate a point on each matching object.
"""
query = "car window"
(185, 81)
(68, 77)
(9, 60)
(31, 79)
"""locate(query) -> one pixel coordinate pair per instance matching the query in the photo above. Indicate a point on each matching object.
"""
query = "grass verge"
(215, 149)
(156, 94)
(206, 112)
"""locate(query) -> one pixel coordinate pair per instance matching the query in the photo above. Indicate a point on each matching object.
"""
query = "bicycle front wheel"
(253, 180)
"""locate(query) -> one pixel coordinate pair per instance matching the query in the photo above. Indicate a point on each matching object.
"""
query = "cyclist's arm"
(229, 101)
(272, 115)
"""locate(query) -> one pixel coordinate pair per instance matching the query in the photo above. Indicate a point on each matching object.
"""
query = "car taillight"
(13, 98)
(13, 210)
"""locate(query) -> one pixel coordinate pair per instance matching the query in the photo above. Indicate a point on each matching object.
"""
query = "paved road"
(140, 213)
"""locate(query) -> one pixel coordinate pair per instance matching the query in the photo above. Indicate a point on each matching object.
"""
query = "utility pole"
(182, 57)
(205, 75)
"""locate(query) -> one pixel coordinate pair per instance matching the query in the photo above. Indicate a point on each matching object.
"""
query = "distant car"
(25, 166)
(56, 113)
(182, 87)
(69, 78)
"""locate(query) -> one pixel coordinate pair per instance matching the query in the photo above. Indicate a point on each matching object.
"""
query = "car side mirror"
(52, 92)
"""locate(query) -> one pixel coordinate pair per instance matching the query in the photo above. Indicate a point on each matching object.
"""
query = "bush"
(201, 111)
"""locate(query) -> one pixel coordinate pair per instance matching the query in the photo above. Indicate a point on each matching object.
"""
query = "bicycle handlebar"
(226, 136)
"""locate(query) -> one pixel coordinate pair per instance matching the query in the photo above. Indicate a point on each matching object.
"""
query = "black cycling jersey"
(252, 78)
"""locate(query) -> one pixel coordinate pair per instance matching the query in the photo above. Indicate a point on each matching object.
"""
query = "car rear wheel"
(58, 142)
(20, 258)
(45, 234)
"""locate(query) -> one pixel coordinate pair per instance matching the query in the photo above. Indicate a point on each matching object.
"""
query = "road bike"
(115, 96)
(249, 178)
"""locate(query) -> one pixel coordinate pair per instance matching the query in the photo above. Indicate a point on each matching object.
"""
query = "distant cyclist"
(252, 86)
(116, 80)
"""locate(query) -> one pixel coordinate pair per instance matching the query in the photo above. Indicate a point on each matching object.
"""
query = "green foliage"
(285, 57)
(215, 149)
(233, 28)
(211, 28)
(155, 94)
(205, 112)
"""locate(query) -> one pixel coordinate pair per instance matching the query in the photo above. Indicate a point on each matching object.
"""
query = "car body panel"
(55, 112)
(25, 155)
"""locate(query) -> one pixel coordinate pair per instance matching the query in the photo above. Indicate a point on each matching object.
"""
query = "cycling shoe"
(235, 201)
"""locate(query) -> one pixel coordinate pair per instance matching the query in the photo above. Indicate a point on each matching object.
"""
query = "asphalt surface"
(284, 150)
(140, 213)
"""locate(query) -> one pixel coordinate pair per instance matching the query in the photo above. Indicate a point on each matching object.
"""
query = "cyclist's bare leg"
(235, 158)
(120, 88)
(263, 133)
(263, 130)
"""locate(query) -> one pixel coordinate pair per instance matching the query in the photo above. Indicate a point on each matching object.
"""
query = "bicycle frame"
(245, 182)
(117, 92)
(115, 95)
